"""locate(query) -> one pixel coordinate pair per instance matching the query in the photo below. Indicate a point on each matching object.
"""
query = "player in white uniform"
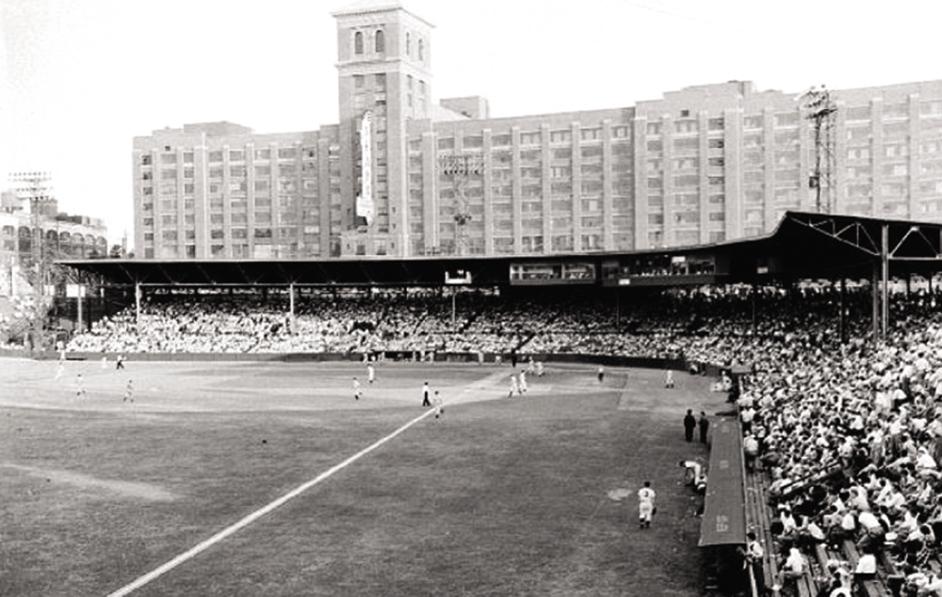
(60, 369)
(129, 392)
(370, 373)
(356, 389)
(80, 386)
(669, 379)
(514, 388)
(539, 368)
(645, 505)
(439, 405)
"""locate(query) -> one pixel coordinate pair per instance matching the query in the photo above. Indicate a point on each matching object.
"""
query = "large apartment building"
(402, 175)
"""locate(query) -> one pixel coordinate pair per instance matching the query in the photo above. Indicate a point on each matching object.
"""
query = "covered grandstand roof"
(803, 245)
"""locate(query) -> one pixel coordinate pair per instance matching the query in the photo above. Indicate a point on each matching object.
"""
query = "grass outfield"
(499, 497)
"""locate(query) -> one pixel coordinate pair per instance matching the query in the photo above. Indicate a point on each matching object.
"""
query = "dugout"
(723, 526)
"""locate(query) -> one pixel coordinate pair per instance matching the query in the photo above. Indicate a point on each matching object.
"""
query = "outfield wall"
(402, 356)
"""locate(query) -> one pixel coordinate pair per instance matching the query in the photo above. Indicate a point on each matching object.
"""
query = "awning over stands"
(724, 516)
(804, 245)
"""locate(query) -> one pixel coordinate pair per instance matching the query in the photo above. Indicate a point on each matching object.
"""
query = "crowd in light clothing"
(709, 325)
(851, 435)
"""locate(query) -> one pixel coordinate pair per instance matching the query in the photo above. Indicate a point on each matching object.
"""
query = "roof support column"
(138, 293)
(875, 296)
(617, 308)
(291, 306)
(755, 310)
(841, 323)
(885, 289)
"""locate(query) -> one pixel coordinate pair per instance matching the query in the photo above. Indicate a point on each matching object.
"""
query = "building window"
(408, 44)
(530, 138)
(358, 42)
(421, 50)
(380, 42)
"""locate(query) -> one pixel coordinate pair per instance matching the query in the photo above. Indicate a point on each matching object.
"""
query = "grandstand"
(831, 454)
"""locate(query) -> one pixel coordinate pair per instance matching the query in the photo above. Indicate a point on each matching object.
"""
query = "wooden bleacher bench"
(888, 571)
(871, 588)
(757, 516)
(821, 554)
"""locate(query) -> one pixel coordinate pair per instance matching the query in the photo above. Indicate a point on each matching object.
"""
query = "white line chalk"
(196, 550)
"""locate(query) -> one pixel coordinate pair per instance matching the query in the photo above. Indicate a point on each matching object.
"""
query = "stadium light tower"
(820, 109)
(460, 168)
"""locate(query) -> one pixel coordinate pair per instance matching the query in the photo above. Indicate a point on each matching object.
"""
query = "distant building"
(32, 228)
(703, 164)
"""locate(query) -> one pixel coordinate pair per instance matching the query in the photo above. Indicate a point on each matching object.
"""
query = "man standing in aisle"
(646, 507)
(752, 558)
(690, 423)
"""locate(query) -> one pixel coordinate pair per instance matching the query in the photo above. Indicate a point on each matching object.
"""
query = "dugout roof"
(724, 515)
(803, 245)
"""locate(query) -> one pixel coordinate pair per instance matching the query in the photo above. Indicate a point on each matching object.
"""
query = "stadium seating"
(843, 428)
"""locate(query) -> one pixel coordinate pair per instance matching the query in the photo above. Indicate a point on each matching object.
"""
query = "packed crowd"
(851, 435)
(705, 324)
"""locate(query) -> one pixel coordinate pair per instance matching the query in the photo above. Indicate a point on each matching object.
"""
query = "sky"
(80, 78)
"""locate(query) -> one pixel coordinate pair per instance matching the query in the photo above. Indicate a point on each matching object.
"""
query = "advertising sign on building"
(364, 205)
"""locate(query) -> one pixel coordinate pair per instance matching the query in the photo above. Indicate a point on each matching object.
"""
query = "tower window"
(358, 42)
(380, 44)
(421, 50)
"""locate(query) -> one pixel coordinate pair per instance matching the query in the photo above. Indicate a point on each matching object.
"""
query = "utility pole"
(821, 111)
(35, 189)
(460, 168)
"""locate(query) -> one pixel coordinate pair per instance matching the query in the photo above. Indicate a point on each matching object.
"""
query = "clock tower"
(384, 75)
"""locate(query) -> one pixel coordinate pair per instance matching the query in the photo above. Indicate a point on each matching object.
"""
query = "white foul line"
(194, 551)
